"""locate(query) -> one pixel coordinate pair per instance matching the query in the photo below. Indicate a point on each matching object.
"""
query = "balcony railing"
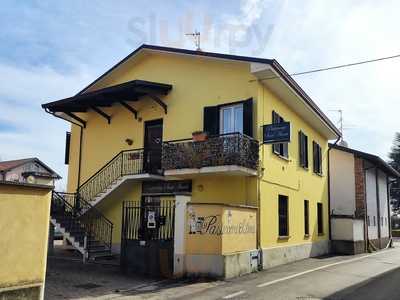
(233, 149)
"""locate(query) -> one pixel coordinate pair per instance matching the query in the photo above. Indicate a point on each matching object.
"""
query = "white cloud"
(39, 134)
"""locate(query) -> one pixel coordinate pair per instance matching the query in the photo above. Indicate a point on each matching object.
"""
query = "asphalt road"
(368, 276)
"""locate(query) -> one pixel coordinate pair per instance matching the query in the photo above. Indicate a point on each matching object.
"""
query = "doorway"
(153, 146)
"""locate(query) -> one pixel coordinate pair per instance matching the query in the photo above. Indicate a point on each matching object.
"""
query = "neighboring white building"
(359, 200)
(28, 170)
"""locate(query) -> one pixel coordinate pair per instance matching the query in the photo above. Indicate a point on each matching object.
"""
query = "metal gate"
(147, 245)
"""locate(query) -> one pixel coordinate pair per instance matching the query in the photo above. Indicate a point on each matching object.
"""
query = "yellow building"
(24, 228)
(167, 122)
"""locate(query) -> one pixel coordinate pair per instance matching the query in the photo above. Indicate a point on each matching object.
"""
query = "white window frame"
(221, 117)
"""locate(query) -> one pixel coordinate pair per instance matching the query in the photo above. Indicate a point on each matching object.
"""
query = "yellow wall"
(286, 177)
(226, 82)
(24, 228)
(200, 82)
(226, 229)
(111, 206)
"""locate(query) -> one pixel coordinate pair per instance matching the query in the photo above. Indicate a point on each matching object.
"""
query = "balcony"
(229, 154)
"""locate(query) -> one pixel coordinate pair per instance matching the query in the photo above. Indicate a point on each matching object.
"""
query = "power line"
(335, 67)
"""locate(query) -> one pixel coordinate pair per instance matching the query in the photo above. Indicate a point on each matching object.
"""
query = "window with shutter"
(320, 222)
(229, 118)
(303, 150)
(283, 215)
(317, 158)
(306, 218)
(281, 149)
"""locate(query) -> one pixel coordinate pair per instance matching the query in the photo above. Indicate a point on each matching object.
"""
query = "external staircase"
(75, 214)
(82, 225)
(127, 165)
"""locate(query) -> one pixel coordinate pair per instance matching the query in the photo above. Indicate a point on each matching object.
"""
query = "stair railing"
(95, 224)
(127, 162)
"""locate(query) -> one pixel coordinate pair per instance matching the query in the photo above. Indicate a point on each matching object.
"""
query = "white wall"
(342, 182)
(345, 229)
(370, 182)
(383, 200)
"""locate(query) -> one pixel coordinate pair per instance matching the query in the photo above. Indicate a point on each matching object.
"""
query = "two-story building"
(167, 126)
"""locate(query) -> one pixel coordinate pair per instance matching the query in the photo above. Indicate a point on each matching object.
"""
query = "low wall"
(24, 229)
(220, 240)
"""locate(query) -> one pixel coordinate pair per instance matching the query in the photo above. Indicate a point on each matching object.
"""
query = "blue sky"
(50, 50)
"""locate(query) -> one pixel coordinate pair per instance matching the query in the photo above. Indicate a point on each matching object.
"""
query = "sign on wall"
(276, 133)
(217, 224)
(166, 187)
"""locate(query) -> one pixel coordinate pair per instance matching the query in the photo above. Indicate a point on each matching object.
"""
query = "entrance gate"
(147, 245)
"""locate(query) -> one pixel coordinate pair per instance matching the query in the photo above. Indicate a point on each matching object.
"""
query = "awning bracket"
(102, 113)
(130, 108)
(158, 101)
(75, 117)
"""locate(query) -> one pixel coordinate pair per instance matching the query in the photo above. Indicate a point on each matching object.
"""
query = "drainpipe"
(80, 143)
(80, 159)
(329, 190)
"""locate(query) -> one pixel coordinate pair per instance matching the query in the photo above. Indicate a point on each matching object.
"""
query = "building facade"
(166, 121)
(28, 170)
(359, 200)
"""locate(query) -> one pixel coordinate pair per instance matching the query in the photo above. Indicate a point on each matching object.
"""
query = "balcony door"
(153, 146)
(231, 118)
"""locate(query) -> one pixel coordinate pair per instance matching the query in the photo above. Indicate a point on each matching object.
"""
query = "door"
(153, 146)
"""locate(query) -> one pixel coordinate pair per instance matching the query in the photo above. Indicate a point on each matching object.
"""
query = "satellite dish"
(31, 179)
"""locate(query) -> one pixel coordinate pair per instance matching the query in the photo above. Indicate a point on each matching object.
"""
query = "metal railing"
(135, 219)
(95, 225)
(128, 162)
(219, 150)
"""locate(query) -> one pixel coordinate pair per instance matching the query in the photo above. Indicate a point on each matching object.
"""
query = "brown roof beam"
(130, 108)
(102, 113)
(75, 117)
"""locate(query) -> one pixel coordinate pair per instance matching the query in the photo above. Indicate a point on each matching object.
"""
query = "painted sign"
(276, 133)
(166, 187)
(214, 225)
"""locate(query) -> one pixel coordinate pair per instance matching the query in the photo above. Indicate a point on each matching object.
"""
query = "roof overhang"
(373, 159)
(281, 84)
(106, 97)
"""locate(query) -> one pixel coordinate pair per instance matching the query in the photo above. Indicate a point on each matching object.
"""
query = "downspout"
(80, 143)
(80, 159)
(329, 189)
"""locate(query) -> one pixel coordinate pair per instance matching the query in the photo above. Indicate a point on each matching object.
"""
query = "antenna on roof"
(341, 128)
(196, 36)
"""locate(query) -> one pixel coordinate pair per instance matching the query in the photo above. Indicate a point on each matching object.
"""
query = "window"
(280, 149)
(231, 118)
(303, 150)
(320, 218)
(306, 218)
(228, 118)
(283, 215)
(317, 158)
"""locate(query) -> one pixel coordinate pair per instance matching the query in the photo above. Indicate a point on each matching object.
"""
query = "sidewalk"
(314, 277)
